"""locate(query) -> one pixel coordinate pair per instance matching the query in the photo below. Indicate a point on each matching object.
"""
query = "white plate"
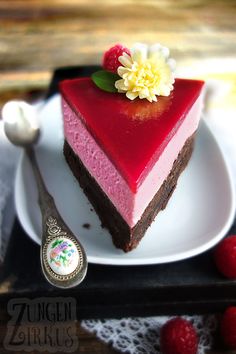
(198, 215)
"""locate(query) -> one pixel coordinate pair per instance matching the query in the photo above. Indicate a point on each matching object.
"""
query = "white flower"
(146, 73)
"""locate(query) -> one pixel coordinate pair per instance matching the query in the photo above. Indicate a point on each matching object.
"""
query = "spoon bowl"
(20, 123)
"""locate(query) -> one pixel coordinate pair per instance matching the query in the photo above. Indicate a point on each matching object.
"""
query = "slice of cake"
(128, 154)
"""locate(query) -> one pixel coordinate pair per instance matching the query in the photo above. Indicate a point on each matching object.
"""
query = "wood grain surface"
(37, 36)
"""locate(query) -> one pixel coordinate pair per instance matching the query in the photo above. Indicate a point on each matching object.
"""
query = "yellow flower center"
(145, 75)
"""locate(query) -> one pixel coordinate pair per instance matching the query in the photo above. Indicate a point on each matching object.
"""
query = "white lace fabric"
(142, 335)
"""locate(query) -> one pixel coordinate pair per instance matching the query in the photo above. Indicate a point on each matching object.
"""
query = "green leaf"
(62, 257)
(55, 243)
(105, 80)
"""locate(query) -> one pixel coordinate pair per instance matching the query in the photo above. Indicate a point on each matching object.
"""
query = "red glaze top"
(133, 134)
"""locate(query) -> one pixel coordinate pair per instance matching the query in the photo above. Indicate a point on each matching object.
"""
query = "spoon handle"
(45, 200)
(55, 229)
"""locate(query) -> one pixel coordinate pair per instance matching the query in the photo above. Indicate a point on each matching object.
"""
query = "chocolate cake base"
(123, 236)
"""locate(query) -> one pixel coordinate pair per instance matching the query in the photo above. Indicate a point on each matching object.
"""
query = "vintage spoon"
(63, 259)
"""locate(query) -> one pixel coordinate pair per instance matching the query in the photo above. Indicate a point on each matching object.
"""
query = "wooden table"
(38, 35)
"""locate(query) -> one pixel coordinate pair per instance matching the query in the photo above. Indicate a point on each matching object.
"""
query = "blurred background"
(38, 36)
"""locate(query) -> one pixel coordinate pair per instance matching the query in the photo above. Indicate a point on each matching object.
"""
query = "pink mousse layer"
(129, 204)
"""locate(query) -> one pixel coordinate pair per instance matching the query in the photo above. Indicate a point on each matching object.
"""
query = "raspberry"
(225, 257)
(178, 336)
(110, 58)
(228, 327)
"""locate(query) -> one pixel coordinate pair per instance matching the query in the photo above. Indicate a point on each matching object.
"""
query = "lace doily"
(142, 335)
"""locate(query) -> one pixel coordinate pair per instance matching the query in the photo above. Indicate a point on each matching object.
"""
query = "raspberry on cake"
(127, 154)
(111, 57)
